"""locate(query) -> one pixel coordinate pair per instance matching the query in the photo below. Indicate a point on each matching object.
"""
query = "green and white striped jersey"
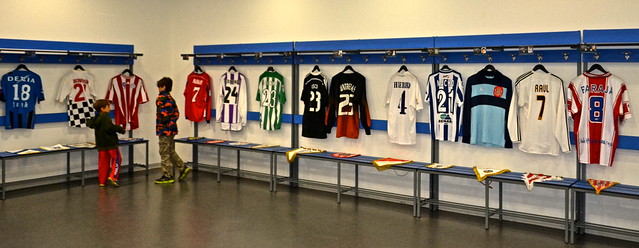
(270, 94)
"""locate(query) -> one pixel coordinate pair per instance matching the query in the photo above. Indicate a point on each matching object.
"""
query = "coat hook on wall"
(1, 58)
(209, 60)
(332, 59)
(490, 59)
(366, 59)
(270, 60)
(513, 57)
(348, 59)
(444, 58)
(316, 60)
(423, 58)
(596, 57)
(403, 59)
(566, 56)
(41, 58)
(626, 55)
(232, 61)
(539, 58)
(384, 57)
(466, 57)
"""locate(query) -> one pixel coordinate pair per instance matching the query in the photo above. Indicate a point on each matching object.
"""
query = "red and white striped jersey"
(231, 103)
(197, 96)
(127, 93)
(597, 103)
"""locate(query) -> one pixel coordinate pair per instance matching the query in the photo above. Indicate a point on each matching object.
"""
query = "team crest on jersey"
(498, 91)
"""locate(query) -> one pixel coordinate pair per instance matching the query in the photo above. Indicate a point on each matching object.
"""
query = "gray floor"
(242, 213)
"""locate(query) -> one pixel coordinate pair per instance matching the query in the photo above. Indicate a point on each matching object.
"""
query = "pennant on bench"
(263, 146)
(215, 141)
(439, 166)
(483, 173)
(531, 178)
(292, 154)
(385, 163)
(345, 155)
(239, 143)
(600, 185)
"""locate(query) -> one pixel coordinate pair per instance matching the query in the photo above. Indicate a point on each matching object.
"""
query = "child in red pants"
(106, 141)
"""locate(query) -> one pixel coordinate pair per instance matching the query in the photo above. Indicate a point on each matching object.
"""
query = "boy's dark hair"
(167, 83)
(99, 104)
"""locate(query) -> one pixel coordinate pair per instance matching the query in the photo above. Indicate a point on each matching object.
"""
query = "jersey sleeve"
(282, 95)
(209, 98)
(574, 102)
(624, 108)
(65, 89)
(91, 87)
(219, 99)
(333, 99)
(513, 115)
(110, 95)
(561, 124)
(364, 114)
(143, 97)
(41, 93)
(243, 100)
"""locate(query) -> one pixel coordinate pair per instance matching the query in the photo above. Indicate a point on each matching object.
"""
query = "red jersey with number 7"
(597, 103)
(197, 96)
(127, 93)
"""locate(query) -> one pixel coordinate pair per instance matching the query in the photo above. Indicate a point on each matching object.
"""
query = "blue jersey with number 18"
(445, 95)
(21, 90)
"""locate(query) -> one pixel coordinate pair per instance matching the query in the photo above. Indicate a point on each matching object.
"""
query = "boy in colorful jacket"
(166, 128)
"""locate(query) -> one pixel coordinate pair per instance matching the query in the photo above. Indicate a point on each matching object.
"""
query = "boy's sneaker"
(184, 173)
(164, 180)
(113, 182)
(102, 185)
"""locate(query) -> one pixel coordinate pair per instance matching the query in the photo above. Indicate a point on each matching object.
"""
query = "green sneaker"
(184, 173)
(164, 180)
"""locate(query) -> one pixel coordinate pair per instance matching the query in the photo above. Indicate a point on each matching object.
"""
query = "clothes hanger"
(316, 68)
(596, 67)
(78, 67)
(22, 66)
(445, 67)
(232, 68)
(540, 67)
(127, 72)
(197, 69)
(270, 68)
(402, 68)
(348, 67)
(489, 67)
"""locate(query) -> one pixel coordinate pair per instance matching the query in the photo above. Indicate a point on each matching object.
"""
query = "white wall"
(164, 29)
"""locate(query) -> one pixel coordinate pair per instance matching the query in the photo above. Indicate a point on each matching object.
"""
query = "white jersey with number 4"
(597, 103)
(403, 99)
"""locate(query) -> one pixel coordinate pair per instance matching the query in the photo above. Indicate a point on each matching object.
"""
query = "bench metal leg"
(572, 216)
(487, 210)
(238, 163)
(4, 177)
(417, 198)
(83, 168)
(219, 166)
(68, 167)
(272, 176)
(275, 172)
(146, 160)
(356, 181)
(339, 182)
(501, 202)
(566, 218)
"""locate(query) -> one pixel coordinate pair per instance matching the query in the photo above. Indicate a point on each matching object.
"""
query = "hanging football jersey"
(77, 88)
(445, 96)
(270, 94)
(347, 104)
(538, 114)
(21, 90)
(127, 93)
(315, 98)
(403, 100)
(197, 96)
(597, 103)
(486, 104)
(231, 103)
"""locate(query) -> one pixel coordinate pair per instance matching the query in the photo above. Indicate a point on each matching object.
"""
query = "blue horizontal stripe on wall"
(244, 48)
(64, 46)
(608, 36)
